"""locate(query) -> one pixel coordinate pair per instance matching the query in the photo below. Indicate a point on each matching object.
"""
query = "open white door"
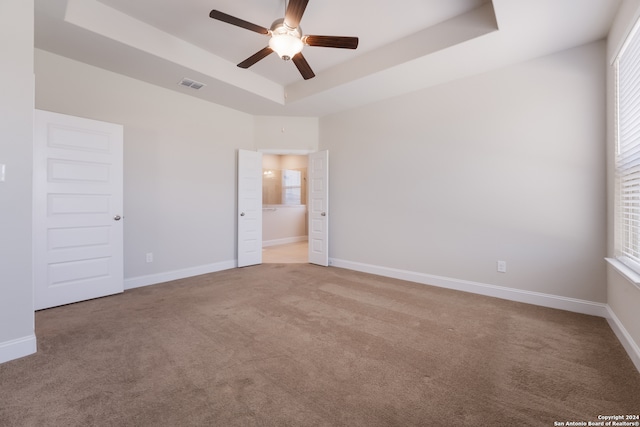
(77, 209)
(249, 208)
(319, 208)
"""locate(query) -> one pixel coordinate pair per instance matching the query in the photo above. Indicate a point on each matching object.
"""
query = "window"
(292, 187)
(627, 72)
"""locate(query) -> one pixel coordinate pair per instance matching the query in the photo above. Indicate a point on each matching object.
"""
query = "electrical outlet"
(502, 266)
(149, 256)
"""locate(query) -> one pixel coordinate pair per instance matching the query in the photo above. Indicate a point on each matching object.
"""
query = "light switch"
(2, 172)
(502, 266)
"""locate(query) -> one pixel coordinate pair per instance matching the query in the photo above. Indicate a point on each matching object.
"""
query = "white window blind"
(627, 66)
(292, 187)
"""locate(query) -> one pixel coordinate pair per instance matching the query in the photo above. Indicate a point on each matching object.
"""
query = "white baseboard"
(529, 297)
(624, 337)
(153, 279)
(284, 241)
(15, 349)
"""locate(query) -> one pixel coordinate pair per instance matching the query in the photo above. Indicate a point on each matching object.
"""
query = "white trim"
(519, 295)
(632, 27)
(285, 152)
(625, 271)
(15, 349)
(624, 337)
(153, 279)
(284, 241)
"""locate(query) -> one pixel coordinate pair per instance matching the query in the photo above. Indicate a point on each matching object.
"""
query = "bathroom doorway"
(284, 208)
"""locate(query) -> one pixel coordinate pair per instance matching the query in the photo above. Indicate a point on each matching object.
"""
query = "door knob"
(116, 218)
(323, 214)
(242, 214)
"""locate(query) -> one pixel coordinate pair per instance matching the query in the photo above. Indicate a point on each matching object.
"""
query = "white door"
(249, 208)
(77, 209)
(319, 208)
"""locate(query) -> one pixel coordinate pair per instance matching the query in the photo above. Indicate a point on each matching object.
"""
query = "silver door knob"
(323, 214)
(116, 218)
(242, 214)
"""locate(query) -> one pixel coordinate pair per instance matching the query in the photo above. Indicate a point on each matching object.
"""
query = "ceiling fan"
(287, 39)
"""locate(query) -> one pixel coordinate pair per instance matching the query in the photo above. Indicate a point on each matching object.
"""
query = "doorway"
(249, 209)
(284, 208)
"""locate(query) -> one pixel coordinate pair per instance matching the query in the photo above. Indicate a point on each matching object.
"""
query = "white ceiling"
(405, 45)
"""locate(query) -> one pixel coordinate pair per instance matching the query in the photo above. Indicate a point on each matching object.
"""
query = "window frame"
(626, 72)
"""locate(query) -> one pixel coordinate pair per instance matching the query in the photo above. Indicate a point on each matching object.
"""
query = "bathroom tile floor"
(286, 254)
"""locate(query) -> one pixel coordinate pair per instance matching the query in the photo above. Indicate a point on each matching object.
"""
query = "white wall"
(284, 224)
(507, 165)
(622, 296)
(16, 128)
(286, 133)
(179, 165)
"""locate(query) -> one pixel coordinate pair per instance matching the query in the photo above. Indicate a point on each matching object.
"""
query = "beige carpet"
(301, 345)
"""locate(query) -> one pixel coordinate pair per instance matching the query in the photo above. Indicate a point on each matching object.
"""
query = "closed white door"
(319, 208)
(249, 208)
(77, 202)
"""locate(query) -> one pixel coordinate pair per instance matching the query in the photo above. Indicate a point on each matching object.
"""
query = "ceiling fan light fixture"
(286, 45)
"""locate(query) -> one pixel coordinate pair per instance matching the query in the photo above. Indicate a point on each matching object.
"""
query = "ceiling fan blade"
(293, 14)
(303, 66)
(221, 16)
(261, 54)
(331, 41)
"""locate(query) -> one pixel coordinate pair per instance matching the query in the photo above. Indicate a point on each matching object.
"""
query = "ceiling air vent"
(191, 83)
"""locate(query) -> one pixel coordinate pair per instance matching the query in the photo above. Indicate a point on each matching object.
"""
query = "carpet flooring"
(302, 345)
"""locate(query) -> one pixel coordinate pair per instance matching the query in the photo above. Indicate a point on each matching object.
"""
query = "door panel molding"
(249, 208)
(77, 193)
(319, 208)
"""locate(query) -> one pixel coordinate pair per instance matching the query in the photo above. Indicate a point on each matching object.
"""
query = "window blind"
(627, 68)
